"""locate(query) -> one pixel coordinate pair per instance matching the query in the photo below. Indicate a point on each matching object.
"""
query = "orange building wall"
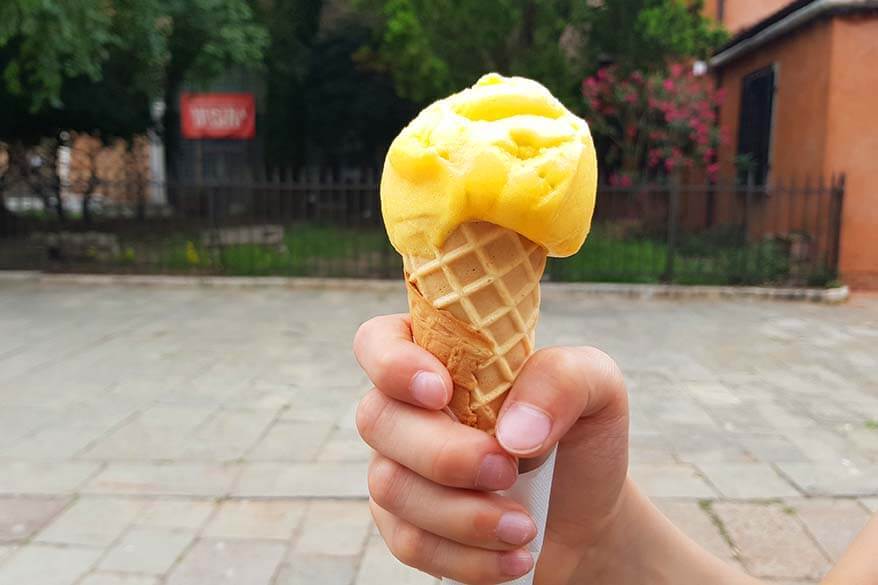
(825, 122)
(852, 142)
(740, 14)
(801, 99)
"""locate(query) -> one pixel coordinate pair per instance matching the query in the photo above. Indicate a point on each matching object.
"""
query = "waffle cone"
(475, 304)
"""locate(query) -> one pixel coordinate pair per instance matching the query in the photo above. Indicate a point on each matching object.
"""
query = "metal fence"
(786, 233)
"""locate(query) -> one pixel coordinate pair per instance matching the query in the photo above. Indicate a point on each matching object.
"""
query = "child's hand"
(431, 478)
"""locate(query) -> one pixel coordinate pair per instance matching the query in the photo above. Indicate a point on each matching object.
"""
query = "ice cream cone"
(475, 304)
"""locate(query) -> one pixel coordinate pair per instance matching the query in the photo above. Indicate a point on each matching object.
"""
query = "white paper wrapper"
(532, 491)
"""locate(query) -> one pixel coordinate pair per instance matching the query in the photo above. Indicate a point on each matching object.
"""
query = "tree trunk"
(529, 23)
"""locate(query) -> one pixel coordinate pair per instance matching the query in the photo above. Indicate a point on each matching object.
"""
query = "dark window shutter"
(754, 126)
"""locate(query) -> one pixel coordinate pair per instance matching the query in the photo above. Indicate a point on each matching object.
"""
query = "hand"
(431, 478)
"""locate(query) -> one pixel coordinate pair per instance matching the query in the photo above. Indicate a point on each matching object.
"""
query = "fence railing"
(786, 233)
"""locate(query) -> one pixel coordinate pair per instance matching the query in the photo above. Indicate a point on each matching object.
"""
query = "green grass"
(606, 257)
(308, 250)
(871, 424)
(609, 255)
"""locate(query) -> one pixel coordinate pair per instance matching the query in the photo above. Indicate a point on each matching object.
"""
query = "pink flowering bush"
(654, 124)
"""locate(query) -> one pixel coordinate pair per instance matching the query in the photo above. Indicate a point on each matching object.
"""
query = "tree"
(434, 48)
(97, 65)
(293, 26)
(352, 111)
(646, 35)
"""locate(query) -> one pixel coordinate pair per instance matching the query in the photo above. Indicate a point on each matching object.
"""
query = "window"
(754, 126)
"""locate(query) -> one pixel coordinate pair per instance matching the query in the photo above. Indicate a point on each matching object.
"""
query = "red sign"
(218, 115)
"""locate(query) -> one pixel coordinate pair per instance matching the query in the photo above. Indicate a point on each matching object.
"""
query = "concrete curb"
(636, 291)
(678, 291)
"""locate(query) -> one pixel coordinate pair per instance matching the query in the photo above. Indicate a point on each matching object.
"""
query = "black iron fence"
(785, 234)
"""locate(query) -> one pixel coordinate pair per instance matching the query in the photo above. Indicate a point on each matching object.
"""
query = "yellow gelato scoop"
(504, 151)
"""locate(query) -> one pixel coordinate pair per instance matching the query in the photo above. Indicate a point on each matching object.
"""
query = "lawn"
(307, 250)
(608, 256)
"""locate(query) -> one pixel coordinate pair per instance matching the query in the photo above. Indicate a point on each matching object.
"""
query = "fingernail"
(523, 428)
(428, 389)
(516, 528)
(516, 563)
(497, 472)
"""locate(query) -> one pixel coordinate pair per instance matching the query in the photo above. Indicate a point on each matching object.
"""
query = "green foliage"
(434, 48)
(646, 34)
(57, 52)
(52, 41)
(309, 250)
(207, 36)
(352, 111)
(719, 256)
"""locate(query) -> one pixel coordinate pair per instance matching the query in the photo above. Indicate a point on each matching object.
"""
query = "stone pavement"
(195, 436)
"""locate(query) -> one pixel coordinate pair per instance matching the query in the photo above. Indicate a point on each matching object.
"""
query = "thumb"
(557, 387)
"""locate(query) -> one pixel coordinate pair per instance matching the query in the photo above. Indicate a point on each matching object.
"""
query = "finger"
(433, 446)
(480, 519)
(557, 387)
(441, 557)
(384, 348)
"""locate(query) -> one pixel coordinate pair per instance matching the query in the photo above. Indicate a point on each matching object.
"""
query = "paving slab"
(833, 523)
(28, 478)
(259, 519)
(220, 561)
(334, 528)
(771, 540)
(171, 479)
(695, 520)
(47, 565)
(379, 567)
(249, 393)
(311, 569)
(844, 478)
(179, 514)
(671, 481)
(747, 481)
(21, 518)
(300, 480)
(146, 550)
(292, 441)
(101, 578)
(94, 522)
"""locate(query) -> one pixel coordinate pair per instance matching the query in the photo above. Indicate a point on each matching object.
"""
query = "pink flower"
(631, 98)
(625, 181)
(637, 77)
(654, 156)
(713, 170)
(668, 85)
(631, 131)
(676, 70)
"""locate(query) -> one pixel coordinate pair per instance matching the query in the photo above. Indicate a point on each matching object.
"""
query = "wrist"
(640, 546)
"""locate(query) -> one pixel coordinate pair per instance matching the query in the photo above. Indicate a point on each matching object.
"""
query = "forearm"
(859, 566)
(645, 548)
